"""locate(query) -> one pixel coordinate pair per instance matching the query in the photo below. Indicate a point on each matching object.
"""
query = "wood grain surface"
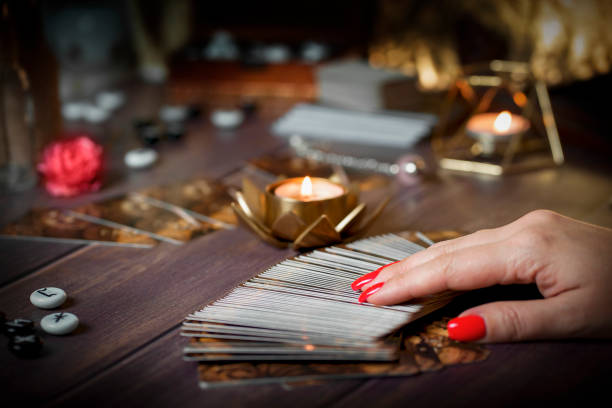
(20, 257)
(127, 350)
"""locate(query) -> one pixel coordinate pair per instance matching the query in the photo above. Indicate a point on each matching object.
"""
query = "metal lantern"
(463, 141)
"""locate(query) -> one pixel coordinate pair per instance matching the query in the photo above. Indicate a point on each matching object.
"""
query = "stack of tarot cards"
(303, 310)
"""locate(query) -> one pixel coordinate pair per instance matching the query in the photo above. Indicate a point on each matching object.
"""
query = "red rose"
(71, 166)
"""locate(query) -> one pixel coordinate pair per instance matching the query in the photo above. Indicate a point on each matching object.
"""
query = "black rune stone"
(25, 346)
(22, 327)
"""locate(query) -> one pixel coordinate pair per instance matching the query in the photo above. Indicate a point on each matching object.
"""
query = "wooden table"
(131, 302)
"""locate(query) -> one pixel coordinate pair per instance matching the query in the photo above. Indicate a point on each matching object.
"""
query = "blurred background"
(83, 58)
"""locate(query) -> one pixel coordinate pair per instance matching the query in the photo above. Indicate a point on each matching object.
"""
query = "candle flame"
(502, 122)
(306, 190)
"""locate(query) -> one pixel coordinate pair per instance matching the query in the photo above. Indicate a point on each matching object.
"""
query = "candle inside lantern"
(501, 125)
(308, 189)
(491, 127)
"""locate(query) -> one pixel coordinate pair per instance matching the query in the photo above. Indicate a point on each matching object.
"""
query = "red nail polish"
(372, 290)
(466, 328)
(365, 279)
(368, 277)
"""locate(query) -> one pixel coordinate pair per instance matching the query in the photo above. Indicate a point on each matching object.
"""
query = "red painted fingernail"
(372, 290)
(368, 277)
(466, 328)
(365, 279)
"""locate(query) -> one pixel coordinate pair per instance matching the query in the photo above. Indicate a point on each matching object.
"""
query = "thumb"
(500, 322)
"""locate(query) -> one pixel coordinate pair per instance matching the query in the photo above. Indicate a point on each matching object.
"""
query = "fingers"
(465, 269)
(482, 237)
(441, 248)
(518, 320)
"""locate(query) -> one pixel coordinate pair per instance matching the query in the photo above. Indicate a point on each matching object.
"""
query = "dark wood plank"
(469, 203)
(157, 376)
(19, 257)
(533, 374)
(124, 298)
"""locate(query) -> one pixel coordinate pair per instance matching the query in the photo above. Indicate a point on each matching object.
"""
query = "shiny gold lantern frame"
(476, 90)
(291, 223)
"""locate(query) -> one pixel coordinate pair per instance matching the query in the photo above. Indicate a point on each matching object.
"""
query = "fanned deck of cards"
(54, 225)
(174, 213)
(300, 320)
(204, 200)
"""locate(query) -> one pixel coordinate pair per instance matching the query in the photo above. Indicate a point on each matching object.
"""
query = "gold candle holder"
(290, 222)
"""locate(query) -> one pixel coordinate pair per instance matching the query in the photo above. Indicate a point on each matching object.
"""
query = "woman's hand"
(569, 261)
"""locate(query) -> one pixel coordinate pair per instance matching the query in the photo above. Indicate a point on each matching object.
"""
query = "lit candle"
(294, 206)
(489, 128)
(308, 189)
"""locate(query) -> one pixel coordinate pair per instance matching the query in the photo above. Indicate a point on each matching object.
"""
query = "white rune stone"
(48, 298)
(59, 323)
(140, 158)
(227, 119)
